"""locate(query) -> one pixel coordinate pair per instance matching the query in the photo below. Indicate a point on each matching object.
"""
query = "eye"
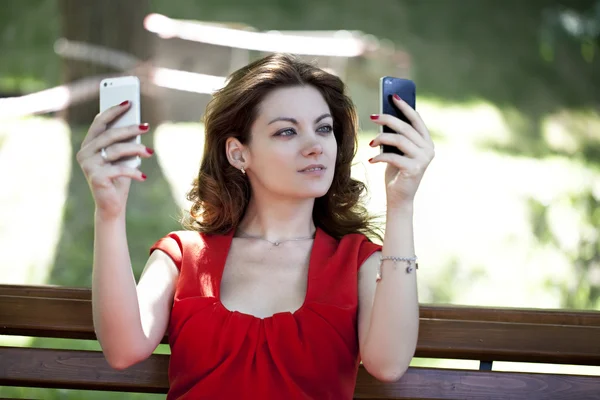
(285, 132)
(325, 129)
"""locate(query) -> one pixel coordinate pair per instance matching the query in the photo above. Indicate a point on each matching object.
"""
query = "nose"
(312, 148)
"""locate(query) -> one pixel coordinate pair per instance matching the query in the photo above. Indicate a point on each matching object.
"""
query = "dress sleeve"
(366, 249)
(172, 245)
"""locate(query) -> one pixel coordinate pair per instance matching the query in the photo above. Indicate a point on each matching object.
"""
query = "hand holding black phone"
(406, 89)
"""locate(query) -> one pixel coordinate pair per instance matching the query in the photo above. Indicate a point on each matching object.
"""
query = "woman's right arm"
(129, 320)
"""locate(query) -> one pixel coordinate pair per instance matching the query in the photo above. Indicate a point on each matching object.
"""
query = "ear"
(237, 154)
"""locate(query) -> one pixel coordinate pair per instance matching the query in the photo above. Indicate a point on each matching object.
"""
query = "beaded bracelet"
(408, 260)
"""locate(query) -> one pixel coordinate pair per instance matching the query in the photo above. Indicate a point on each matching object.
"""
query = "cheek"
(270, 159)
(332, 148)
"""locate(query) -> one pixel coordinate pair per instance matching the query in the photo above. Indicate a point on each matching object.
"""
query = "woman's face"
(292, 151)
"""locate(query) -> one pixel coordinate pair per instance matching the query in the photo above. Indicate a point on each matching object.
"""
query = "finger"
(106, 117)
(396, 124)
(120, 150)
(413, 116)
(104, 177)
(115, 135)
(401, 142)
(400, 162)
(110, 137)
(119, 171)
(406, 166)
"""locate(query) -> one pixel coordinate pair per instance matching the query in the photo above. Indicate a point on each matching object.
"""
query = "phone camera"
(105, 84)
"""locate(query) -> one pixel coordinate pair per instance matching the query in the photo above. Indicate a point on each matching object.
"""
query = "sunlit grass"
(35, 163)
(570, 132)
(547, 368)
(464, 125)
(508, 366)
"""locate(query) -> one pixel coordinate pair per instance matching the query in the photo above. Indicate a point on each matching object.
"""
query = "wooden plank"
(427, 311)
(48, 291)
(509, 314)
(78, 369)
(502, 341)
(438, 338)
(47, 317)
(71, 369)
(433, 383)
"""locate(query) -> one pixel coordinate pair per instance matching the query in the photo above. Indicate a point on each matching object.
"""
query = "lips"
(313, 167)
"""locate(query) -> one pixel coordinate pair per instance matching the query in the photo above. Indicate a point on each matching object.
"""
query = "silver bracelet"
(408, 260)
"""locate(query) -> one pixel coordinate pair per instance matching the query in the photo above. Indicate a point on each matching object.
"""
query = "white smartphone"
(114, 91)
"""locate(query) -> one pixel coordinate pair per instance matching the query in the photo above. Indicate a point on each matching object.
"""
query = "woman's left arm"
(388, 317)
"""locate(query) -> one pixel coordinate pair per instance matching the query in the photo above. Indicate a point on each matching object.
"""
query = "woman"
(274, 291)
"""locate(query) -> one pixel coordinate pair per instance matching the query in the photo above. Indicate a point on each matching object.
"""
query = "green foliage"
(582, 291)
(28, 30)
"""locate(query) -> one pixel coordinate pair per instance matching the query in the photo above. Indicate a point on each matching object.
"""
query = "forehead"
(295, 102)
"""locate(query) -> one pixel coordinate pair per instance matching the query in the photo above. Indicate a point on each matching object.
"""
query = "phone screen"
(404, 88)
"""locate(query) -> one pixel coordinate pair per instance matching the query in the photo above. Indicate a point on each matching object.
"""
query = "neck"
(278, 219)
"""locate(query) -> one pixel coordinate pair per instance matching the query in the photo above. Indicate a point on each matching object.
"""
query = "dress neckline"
(225, 245)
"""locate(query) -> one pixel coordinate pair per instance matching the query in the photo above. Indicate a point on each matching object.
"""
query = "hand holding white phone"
(112, 150)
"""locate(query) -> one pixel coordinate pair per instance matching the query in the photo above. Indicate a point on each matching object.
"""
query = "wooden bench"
(446, 332)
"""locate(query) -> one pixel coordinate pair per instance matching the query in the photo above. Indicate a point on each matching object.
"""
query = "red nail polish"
(370, 159)
(149, 150)
(124, 103)
(371, 143)
(144, 176)
(374, 116)
(397, 97)
(144, 127)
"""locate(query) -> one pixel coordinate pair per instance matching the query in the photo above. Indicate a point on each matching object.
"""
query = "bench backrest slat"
(73, 369)
(512, 315)
(433, 383)
(79, 369)
(470, 313)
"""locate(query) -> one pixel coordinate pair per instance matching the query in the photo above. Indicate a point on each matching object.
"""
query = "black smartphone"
(406, 89)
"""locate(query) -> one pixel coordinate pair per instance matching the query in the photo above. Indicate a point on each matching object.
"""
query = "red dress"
(311, 353)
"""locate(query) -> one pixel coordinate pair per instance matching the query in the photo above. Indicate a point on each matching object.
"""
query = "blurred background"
(508, 213)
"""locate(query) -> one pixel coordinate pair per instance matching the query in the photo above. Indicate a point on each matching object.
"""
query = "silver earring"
(243, 170)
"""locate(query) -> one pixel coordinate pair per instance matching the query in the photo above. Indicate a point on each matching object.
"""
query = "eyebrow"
(295, 121)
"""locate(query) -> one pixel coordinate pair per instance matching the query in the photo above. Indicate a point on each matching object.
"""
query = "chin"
(314, 191)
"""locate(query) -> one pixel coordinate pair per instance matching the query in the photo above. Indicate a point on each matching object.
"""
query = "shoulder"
(187, 240)
(173, 244)
(367, 250)
(188, 245)
(177, 240)
(355, 248)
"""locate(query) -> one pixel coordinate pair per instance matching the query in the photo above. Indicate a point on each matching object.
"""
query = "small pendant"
(410, 268)
(276, 243)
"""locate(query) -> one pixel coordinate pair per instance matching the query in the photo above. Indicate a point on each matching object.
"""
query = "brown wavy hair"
(220, 193)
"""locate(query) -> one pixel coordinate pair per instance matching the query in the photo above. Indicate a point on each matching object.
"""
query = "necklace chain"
(276, 243)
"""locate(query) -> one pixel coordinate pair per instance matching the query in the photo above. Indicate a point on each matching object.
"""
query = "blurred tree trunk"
(114, 24)
(151, 211)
